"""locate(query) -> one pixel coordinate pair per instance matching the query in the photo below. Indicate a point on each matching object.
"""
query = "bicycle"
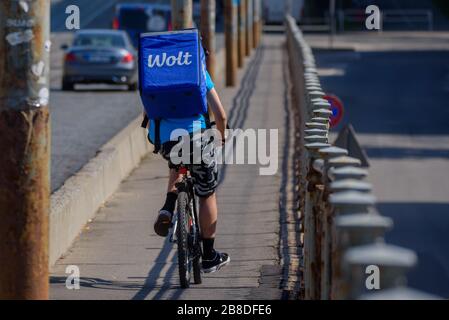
(186, 231)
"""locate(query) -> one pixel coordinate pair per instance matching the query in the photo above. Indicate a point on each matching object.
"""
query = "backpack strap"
(207, 120)
(209, 123)
(145, 122)
(157, 136)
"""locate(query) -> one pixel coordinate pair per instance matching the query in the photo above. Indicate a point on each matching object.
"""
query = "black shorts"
(205, 175)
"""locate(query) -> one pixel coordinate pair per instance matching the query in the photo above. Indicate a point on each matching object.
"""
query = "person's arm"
(218, 111)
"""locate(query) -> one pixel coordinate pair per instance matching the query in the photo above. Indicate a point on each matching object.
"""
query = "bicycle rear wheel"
(183, 228)
(197, 252)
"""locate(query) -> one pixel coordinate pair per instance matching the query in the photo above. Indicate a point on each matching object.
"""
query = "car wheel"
(67, 85)
(132, 87)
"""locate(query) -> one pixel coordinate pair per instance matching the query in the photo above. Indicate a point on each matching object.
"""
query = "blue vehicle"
(137, 18)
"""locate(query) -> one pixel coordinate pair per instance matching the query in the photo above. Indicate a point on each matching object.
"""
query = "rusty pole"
(231, 22)
(242, 33)
(256, 23)
(249, 27)
(182, 14)
(208, 14)
(25, 148)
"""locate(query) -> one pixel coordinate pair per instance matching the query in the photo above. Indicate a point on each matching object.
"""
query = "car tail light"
(70, 57)
(170, 27)
(115, 24)
(128, 58)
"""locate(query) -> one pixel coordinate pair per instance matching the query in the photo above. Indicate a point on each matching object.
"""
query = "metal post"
(256, 23)
(208, 15)
(182, 14)
(242, 33)
(25, 149)
(231, 22)
(249, 27)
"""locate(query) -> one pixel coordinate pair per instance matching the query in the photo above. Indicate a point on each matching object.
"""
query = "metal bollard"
(311, 259)
(344, 161)
(321, 120)
(350, 185)
(324, 221)
(354, 230)
(347, 173)
(317, 125)
(344, 203)
(352, 202)
(393, 262)
(322, 113)
(316, 138)
(316, 94)
(318, 132)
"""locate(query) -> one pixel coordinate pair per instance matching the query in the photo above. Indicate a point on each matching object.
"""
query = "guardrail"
(421, 17)
(345, 254)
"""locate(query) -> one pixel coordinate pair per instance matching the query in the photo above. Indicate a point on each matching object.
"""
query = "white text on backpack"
(183, 59)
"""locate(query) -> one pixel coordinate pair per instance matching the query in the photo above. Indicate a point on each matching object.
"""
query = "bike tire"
(197, 270)
(197, 267)
(183, 240)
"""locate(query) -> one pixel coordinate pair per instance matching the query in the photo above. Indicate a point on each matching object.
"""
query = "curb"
(80, 197)
(78, 200)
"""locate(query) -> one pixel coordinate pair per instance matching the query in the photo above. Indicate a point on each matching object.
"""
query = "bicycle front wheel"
(184, 262)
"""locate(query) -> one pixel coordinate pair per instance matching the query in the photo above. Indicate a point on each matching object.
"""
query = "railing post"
(327, 221)
(231, 35)
(208, 15)
(249, 27)
(257, 22)
(242, 33)
(311, 213)
(182, 14)
(393, 263)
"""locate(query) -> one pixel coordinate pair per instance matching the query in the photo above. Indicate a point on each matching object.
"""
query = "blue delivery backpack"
(172, 74)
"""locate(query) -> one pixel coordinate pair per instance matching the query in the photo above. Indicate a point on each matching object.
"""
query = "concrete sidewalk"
(120, 257)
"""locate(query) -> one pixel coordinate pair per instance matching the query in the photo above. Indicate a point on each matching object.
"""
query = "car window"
(100, 40)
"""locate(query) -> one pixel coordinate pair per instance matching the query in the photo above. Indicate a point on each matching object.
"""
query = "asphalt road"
(397, 102)
(84, 120)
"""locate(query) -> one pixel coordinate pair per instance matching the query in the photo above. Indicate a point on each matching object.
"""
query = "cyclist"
(205, 177)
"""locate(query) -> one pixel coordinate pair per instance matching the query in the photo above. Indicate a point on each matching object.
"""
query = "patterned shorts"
(205, 175)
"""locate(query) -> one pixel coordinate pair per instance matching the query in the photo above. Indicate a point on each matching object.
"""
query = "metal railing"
(343, 233)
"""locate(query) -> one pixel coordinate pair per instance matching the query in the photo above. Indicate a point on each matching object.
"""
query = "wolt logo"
(183, 59)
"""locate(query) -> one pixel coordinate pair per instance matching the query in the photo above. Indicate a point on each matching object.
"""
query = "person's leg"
(206, 183)
(212, 260)
(208, 223)
(173, 178)
(163, 222)
(208, 216)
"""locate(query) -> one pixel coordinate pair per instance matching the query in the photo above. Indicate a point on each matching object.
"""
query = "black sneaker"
(220, 260)
(163, 223)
